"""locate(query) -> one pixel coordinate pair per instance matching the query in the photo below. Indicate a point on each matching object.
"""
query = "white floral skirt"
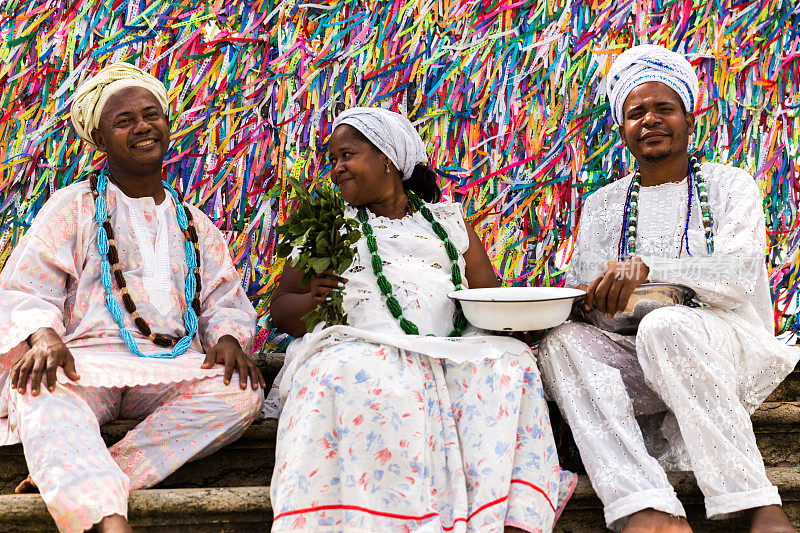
(373, 438)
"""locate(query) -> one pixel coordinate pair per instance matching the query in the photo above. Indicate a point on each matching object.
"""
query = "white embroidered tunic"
(678, 395)
(52, 279)
(733, 281)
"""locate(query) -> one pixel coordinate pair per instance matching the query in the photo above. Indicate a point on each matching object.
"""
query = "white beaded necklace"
(627, 244)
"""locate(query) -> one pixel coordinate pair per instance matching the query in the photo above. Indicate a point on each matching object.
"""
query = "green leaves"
(323, 238)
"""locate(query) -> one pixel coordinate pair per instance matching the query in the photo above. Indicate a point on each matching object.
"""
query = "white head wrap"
(92, 95)
(648, 62)
(390, 132)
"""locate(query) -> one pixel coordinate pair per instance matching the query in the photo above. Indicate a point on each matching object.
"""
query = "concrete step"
(228, 491)
(229, 510)
(249, 460)
(238, 509)
(777, 429)
(788, 391)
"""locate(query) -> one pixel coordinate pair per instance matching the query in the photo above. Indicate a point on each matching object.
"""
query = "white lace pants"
(685, 361)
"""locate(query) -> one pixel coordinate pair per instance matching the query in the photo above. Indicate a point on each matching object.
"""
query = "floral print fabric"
(374, 438)
(81, 480)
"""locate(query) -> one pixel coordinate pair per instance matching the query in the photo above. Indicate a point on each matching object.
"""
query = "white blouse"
(416, 265)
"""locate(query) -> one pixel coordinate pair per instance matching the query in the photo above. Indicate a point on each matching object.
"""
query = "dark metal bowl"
(645, 298)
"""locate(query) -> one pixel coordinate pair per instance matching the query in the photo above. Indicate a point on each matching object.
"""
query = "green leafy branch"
(322, 238)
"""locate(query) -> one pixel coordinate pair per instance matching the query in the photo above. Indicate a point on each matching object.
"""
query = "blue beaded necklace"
(103, 246)
(627, 242)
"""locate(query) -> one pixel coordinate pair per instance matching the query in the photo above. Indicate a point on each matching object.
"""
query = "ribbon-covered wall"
(508, 96)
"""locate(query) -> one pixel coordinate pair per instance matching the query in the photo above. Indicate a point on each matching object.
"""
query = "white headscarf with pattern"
(390, 132)
(92, 95)
(648, 62)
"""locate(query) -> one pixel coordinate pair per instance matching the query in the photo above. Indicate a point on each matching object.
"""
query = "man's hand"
(227, 351)
(47, 353)
(610, 292)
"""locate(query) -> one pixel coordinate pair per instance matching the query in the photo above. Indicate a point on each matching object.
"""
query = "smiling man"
(121, 300)
(678, 394)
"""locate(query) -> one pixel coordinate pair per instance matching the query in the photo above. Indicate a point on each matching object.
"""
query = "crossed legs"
(683, 360)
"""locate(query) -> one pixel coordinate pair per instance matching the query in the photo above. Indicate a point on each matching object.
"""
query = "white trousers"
(684, 361)
(81, 480)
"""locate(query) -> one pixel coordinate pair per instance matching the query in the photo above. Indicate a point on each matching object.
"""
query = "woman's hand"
(47, 353)
(228, 352)
(323, 283)
(293, 300)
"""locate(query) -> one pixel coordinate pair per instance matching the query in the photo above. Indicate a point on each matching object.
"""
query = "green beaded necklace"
(459, 321)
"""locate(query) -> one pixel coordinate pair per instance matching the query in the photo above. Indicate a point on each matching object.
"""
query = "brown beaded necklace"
(190, 233)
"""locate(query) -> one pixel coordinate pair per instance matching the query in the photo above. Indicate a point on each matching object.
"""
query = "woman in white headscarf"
(397, 422)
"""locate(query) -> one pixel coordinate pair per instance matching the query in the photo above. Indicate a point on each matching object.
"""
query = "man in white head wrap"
(91, 97)
(676, 393)
(70, 296)
(646, 63)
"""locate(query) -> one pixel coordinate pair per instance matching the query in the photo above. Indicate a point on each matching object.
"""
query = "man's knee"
(246, 402)
(553, 342)
(665, 322)
(663, 335)
(567, 343)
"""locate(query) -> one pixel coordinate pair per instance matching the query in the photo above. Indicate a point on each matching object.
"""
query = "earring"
(387, 168)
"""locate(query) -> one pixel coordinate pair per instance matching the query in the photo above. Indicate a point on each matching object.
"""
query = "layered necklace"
(109, 266)
(627, 241)
(459, 321)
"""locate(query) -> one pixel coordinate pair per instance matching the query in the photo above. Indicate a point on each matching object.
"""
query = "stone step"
(789, 390)
(229, 510)
(584, 511)
(245, 462)
(236, 509)
(249, 460)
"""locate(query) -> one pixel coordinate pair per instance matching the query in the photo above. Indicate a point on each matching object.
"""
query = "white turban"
(645, 63)
(92, 95)
(390, 132)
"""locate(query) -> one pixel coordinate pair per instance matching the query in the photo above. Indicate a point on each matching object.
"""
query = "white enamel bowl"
(516, 308)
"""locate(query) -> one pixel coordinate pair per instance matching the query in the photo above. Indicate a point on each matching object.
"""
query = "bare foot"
(114, 524)
(652, 521)
(26, 486)
(769, 519)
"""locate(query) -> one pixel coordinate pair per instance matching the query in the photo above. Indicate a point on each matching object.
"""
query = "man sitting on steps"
(121, 300)
(679, 394)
